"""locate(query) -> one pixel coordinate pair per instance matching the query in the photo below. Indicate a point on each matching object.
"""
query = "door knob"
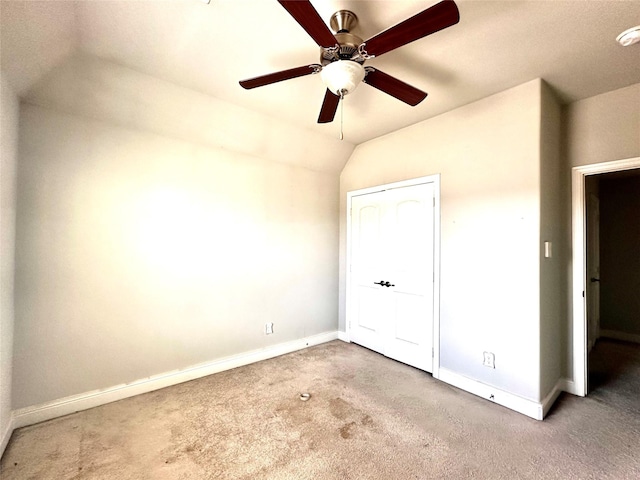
(594, 279)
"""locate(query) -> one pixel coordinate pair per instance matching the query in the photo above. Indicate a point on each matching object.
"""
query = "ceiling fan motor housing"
(342, 22)
(348, 43)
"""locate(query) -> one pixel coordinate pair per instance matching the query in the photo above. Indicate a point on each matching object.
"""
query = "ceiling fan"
(343, 54)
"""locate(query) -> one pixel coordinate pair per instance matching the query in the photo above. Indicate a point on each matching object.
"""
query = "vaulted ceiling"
(210, 47)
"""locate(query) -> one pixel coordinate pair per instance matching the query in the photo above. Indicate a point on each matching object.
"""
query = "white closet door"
(391, 304)
(367, 265)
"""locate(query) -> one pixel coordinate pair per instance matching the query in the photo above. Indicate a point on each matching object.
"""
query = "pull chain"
(341, 114)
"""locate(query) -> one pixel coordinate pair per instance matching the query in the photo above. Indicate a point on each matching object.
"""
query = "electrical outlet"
(268, 328)
(489, 359)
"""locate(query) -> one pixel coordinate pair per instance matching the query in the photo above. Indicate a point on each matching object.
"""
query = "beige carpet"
(368, 418)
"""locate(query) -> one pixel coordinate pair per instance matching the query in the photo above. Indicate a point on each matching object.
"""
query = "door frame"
(579, 264)
(435, 180)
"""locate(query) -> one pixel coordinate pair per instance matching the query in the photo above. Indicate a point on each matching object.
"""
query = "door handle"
(594, 279)
(381, 283)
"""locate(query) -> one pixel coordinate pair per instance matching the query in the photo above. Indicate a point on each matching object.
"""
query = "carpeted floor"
(368, 418)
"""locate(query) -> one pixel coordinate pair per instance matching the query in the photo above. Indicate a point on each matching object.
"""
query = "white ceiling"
(209, 48)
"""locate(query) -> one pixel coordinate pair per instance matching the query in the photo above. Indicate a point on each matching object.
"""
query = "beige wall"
(140, 254)
(8, 161)
(488, 155)
(554, 226)
(603, 128)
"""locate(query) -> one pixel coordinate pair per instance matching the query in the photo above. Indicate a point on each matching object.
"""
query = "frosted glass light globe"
(342, 76)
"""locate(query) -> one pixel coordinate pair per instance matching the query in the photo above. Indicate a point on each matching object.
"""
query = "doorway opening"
(586, 289)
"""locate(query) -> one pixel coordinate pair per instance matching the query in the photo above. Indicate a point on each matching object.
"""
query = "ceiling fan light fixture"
(342, 76)
(629, 36)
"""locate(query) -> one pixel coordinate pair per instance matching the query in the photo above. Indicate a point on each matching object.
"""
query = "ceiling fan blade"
(303, 12)
(329, 107)
(433, 19)
(280, 76)
(394, 87)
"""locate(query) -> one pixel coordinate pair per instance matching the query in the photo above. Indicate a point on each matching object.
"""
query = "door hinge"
(434, 202)
(432, 352)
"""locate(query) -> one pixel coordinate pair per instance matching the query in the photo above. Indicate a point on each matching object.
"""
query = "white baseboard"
(343, 336)
(519, 404)
(569, 386)
(624, 336)
(6, 436)
(553, 395)
(75, 403)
